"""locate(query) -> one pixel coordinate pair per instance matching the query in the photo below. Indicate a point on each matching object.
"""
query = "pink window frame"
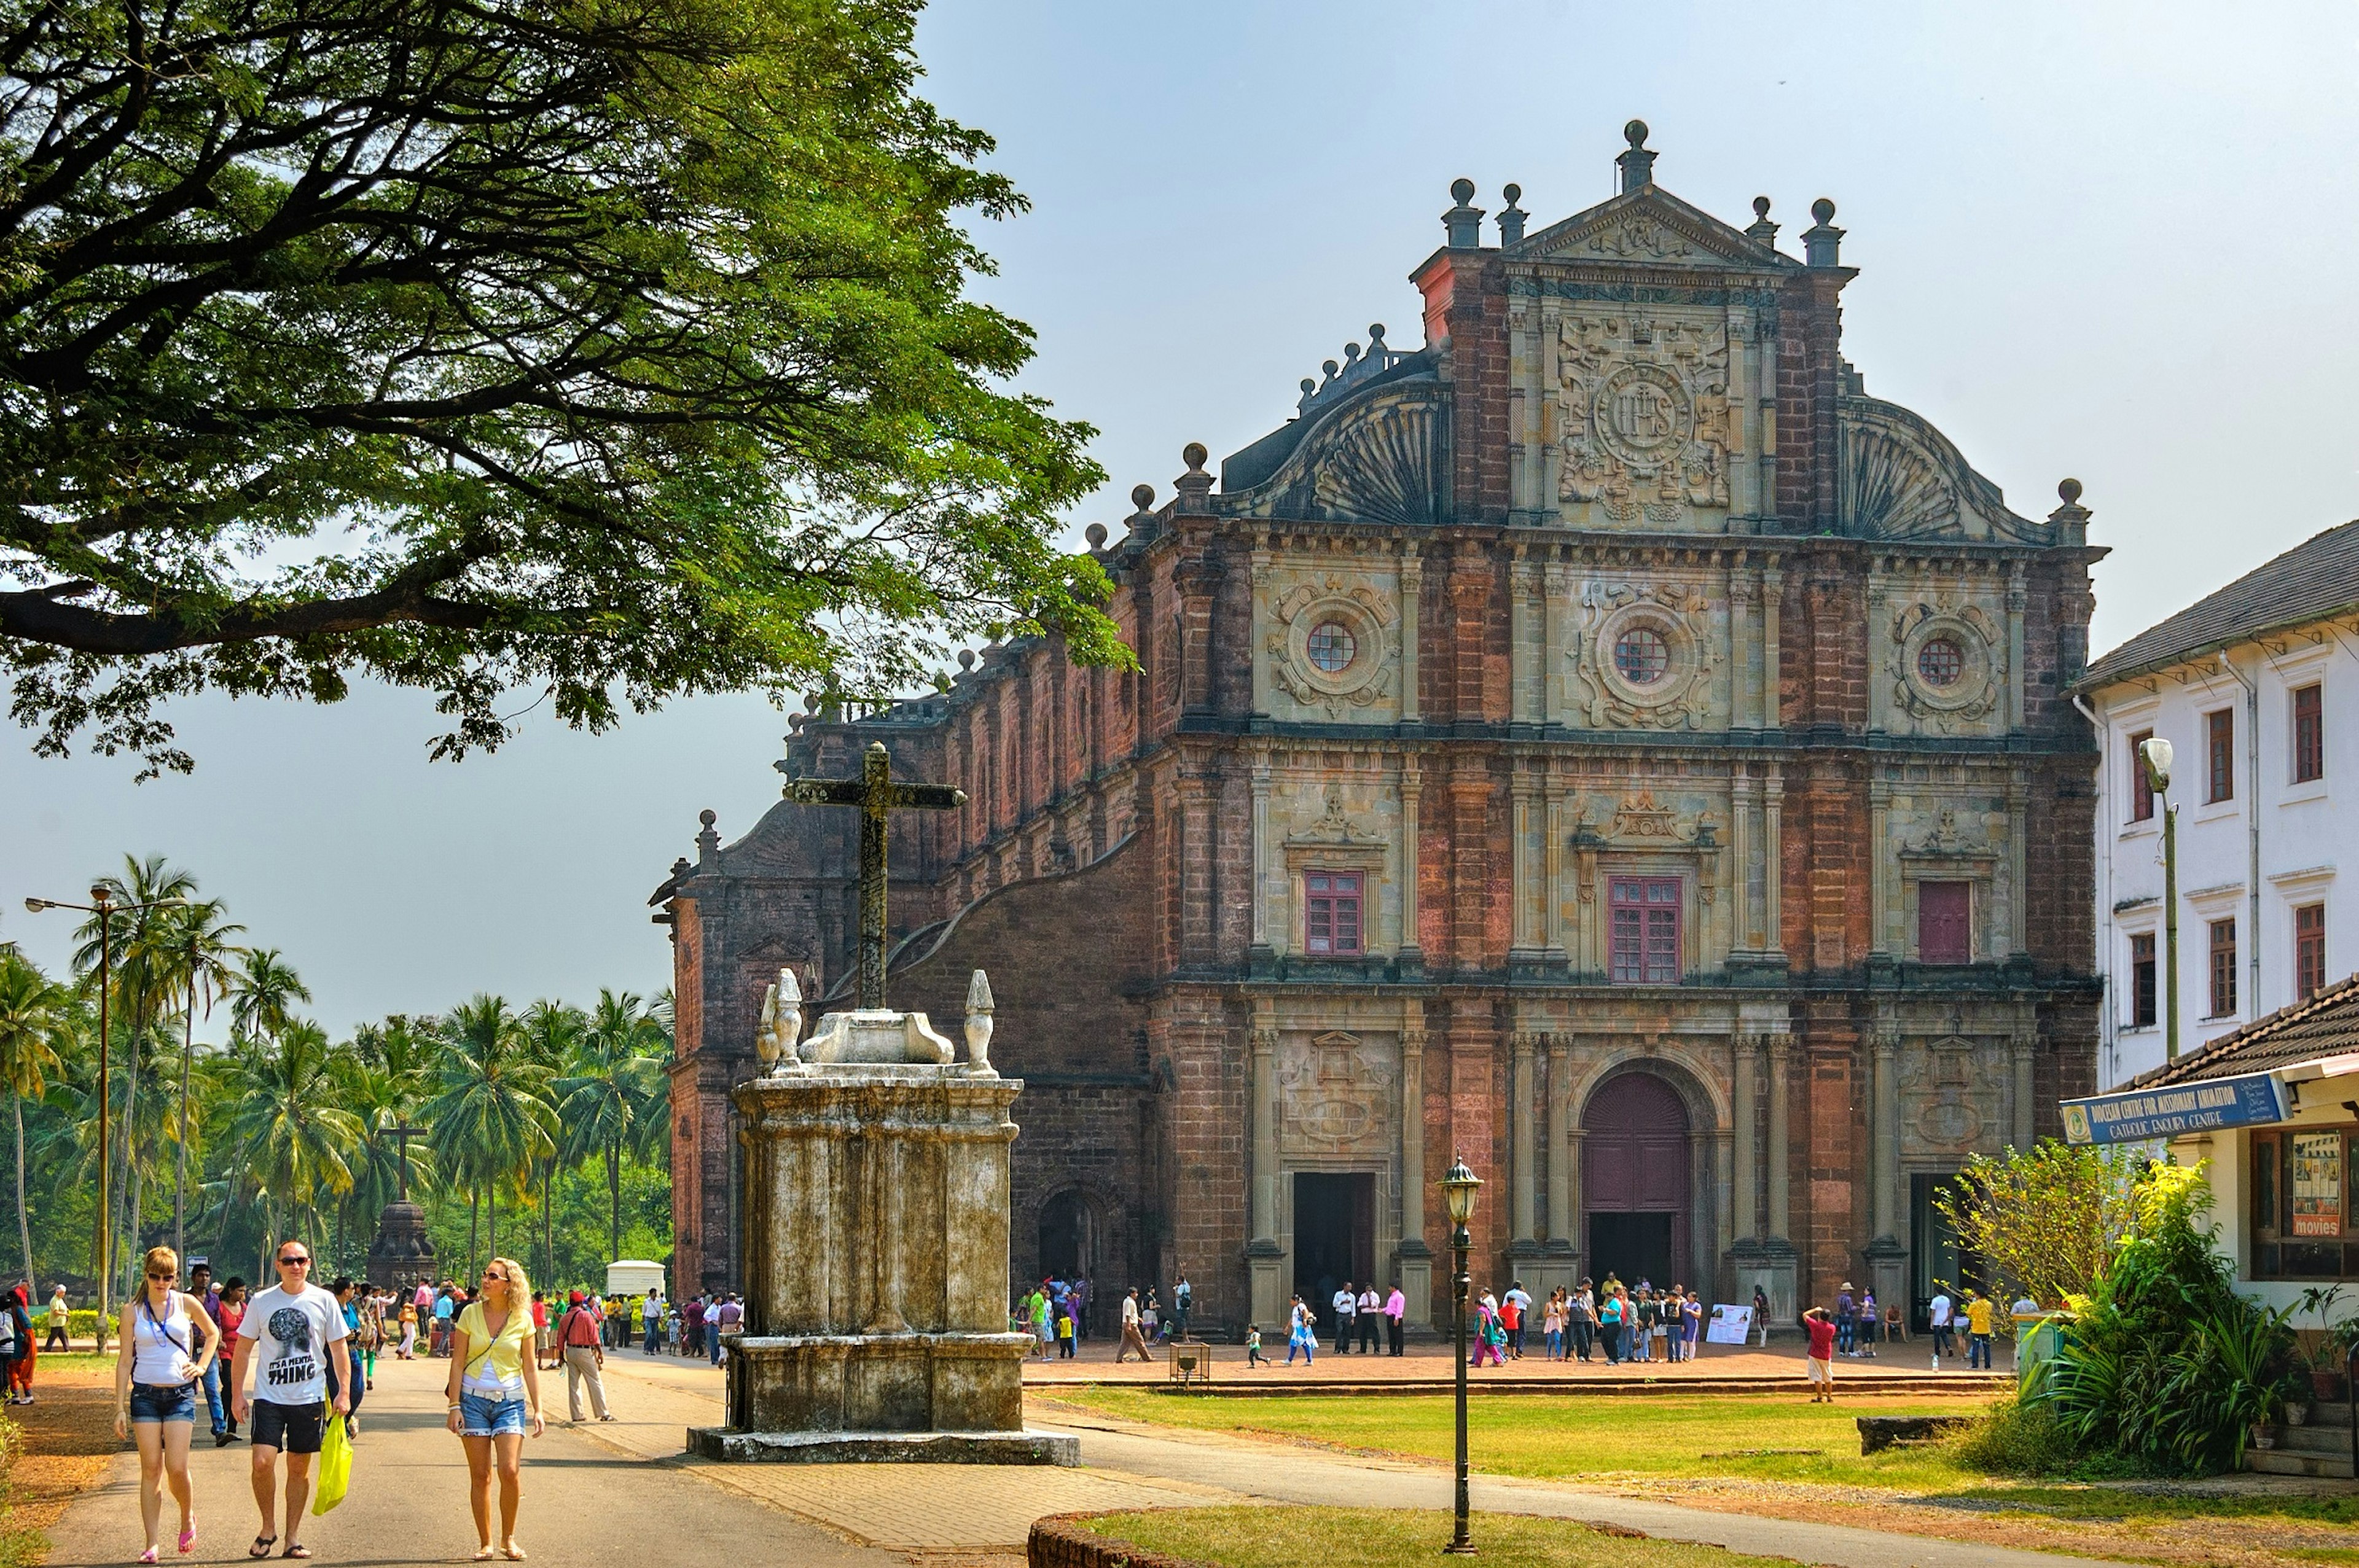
(1343, 889)
(1648, 971)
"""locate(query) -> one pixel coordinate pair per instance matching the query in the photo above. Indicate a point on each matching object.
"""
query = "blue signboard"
(2137, 1115)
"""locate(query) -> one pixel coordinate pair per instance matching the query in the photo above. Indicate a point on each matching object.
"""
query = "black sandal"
(262, 1545)
(296, 1549)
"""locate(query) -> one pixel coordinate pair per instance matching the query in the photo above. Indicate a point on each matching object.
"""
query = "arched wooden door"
(1634, 1183)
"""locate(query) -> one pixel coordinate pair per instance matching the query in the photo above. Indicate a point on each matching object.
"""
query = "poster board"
(1729, 1325)
(2318, 1183)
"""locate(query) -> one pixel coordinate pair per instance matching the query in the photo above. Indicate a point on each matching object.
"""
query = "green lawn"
(1583, 1436)
(1594, 1437)
(1381, 1538)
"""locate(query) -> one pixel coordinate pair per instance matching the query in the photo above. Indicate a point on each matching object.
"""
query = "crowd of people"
(312, 1353)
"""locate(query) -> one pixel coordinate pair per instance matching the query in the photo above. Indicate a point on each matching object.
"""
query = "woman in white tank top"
(166, 1343)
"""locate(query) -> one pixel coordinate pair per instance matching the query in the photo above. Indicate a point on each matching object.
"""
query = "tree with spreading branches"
(616, 351)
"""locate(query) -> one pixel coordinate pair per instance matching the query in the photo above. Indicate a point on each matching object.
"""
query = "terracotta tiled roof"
(2316, 578)
(2327, 1024)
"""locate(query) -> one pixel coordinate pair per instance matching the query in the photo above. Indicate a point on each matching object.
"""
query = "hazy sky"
(2114, 240)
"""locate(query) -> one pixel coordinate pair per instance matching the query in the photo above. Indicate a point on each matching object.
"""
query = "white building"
(2257, 688)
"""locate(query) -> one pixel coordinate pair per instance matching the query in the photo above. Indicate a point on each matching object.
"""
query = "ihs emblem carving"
(1645, 406)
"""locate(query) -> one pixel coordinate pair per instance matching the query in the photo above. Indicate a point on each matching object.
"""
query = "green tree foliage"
(2050, 1219)
(616, 349)
(289, 1132)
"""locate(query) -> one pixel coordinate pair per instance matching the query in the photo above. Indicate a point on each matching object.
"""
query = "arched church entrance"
(1634, 1182)
(1071, 1239)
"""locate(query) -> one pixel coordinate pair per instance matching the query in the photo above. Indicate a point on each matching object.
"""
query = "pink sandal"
(188, 1539)
(148, 1555)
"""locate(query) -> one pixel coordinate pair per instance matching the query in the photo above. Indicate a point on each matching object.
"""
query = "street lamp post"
(2154, 755)
(102, 903)
(1458, 1187)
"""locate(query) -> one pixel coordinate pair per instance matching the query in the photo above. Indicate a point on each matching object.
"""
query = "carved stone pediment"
(1650, 227)
(1382, 456)
(1335, 1095)
(1900, 477)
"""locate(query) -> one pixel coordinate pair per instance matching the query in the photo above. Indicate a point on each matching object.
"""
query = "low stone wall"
(1877, 1433)
(1063, 1541)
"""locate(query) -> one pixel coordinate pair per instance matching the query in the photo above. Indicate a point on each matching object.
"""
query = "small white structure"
(634, 1277)
(2257, 688)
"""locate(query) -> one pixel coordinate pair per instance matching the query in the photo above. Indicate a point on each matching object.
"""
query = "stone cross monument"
(876, 1215)
(400, 1252)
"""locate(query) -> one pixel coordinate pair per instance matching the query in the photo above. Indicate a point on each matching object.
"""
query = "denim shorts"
(164, 1402)
(481, 1417)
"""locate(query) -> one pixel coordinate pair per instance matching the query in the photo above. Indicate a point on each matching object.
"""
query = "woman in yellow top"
(494, 1395)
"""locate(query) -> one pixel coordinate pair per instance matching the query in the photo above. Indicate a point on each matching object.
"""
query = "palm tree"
(199, 939)
(32, 1014)
(263, 992)
(616, 1100)
(490, 1118)
(552, 1031)
(296, 1142)
(144, 964)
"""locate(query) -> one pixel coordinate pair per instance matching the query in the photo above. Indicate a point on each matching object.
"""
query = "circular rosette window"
(1335, 647)
(1946, 661)
(1647, 656)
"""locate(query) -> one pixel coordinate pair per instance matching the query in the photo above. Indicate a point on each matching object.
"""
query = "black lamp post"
(2154, 755)
(1458, 1187)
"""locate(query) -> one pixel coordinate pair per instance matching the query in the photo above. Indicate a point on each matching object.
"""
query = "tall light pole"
(1458, 1187)
(102, 903)
(188, 1056)
(2154, 756)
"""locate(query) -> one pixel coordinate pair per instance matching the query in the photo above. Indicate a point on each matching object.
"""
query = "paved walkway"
(584, 1503)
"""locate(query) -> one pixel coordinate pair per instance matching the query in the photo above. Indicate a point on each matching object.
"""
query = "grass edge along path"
(1263, 1536)
(55, 1449)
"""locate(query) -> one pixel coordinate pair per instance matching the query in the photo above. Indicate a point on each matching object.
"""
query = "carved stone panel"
(1949, 1100)
(1643, 655)
(1336, 1095)
(1332, 647)
(1948, 665)
(1643, 403)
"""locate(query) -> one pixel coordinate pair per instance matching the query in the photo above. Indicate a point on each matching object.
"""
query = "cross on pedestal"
(874, 793)
(401, 1137)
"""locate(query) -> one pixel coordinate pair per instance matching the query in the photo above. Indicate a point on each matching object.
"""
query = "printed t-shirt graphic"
(292, 1331)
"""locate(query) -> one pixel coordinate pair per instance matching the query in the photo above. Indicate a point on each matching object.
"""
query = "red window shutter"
(2309, 735)
(2220, 741)
(2141, 787)
(1945, 923)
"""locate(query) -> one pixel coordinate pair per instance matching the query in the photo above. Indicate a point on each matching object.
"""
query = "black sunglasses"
(292, 1261)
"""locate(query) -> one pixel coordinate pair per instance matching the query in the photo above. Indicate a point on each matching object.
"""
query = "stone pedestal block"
(400, 1253)
(875, 1206)
(1768, 1262)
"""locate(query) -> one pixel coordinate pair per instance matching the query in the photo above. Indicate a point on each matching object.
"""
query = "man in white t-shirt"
(298, 1329)
(1347, 1307)
(1937, 1318)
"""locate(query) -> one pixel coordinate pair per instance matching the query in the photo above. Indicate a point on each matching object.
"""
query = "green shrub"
(81, 1323)
(2167, 1367)
(2019, 1439)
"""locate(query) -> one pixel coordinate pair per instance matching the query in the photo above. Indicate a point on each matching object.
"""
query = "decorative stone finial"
(1511, 217)
(781, 1025)
(708, 842)
(966, 658)
(1096, 535)
(2072, 519)
(1761, 228)
(979, 1025)
(1464, 222)
(1142, 497)
(1195, 486)
(1638, 165)
(1823, 246)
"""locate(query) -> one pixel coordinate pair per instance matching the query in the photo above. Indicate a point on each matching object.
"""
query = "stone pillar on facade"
(2022, 1108)
(1256, 654)
(1772, 590)
(1886, 1256)
(1412, 791)
(1552, 870)
(1775, 1269)
(1743, 692)
(1412, 579)
(1524, 889)
(1773, 850)
(2019, 796)
(1560, 1266)
(1265, 1259)
(2017, 600)
(1879, 879)
(1261, 945)
(1521, 708)
(1415, 1273)
(1523, 1178)
(1555, 589)
(1744, 1110)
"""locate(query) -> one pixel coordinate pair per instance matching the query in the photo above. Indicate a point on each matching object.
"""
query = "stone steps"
(2320, 1447)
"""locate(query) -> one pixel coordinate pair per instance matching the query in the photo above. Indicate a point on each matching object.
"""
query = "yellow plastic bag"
(335, 1465)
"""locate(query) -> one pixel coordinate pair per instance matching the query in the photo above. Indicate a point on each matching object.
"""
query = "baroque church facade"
(1603, 743)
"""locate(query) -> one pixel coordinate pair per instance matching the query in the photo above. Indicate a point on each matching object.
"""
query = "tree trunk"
(24, 1221)
(613, 1200)
(475, 1212)
(548, 1220)
(491, 1243)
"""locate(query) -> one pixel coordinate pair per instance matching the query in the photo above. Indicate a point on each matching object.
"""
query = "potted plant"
(2329, 1353)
